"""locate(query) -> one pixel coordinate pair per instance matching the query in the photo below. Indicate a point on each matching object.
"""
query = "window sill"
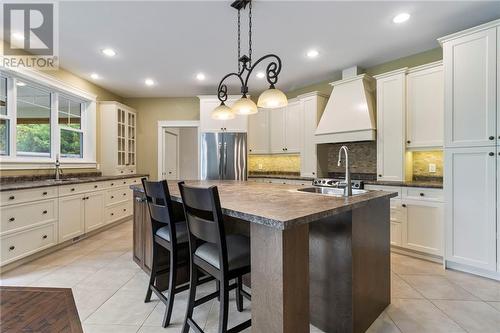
(34, 163)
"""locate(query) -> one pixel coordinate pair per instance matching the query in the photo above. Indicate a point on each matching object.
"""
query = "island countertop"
(276, 205)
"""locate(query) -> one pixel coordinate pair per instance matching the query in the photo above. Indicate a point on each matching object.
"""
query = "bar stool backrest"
(160, 206)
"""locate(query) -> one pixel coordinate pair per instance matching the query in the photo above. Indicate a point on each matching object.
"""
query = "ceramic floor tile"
(414, 266)
(474, 317)
(383, 324)
(108, 278)
(58, 258)
(485, 289)
(25, 275)
(123, 308)
(437, 287)
(88, 300)
(97, 259)
(419, 316)
(64, 277)
(91, 328)
(496, 305)
(401, 289)
(234, 317)
(139, 282)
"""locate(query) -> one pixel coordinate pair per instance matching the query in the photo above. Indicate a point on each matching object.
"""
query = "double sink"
(331, 191)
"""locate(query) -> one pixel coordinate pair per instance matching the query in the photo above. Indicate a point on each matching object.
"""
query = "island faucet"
(58, 167)
(346, 184)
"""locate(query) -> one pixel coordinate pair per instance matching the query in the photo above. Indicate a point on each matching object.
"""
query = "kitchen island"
(316, 259)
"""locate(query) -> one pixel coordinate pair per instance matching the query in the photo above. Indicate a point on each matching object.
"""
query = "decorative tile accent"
(421, 161)
(362, 157)
(274, 163)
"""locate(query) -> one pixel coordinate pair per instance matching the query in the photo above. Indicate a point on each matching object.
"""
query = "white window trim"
(13, 162)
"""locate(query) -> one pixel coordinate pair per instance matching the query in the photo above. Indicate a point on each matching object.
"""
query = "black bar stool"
(224, 258)
(170, 232)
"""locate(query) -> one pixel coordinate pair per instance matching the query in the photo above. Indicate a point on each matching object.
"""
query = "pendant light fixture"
(271, 98)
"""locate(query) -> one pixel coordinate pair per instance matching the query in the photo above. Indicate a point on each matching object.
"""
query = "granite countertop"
(280, 176)
(413, 183)
(22, 185)
(276, 205)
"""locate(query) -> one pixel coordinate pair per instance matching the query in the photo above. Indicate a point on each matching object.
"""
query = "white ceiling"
(171, 41)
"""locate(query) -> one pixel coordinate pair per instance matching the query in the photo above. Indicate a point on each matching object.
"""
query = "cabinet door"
(238, 124)
(397, 220)
(470, 89)
(258, 132)
(425, 103)
(122, 137)
(423, 230)
(293, 127)
(391, 127)
(207, 124)
(308, 153)
(71, 217)
(277, 130)
(470, 213)
(94, 211)
(131, 141)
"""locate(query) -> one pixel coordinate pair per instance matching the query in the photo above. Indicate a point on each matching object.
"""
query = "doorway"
(170, 170)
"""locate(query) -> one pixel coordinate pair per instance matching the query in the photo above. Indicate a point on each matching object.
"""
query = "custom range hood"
(349, 114)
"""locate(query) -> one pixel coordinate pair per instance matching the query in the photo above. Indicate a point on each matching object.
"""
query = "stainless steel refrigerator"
(223, 156)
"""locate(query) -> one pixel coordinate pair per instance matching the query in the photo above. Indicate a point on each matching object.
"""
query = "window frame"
(55, 88)
(7, 116)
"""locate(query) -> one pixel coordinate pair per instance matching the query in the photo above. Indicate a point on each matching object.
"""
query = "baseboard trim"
(472, 270)
(419, 255)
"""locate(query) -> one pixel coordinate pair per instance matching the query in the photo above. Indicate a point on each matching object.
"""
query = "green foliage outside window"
(33, 138)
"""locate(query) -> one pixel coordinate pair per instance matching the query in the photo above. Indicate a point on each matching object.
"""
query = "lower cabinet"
(423, 230)
(71, 216)
(94, 211)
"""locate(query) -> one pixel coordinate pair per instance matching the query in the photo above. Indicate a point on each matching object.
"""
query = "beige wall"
(149, 112)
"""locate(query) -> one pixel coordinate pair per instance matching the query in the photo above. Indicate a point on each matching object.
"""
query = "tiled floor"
(109, 292)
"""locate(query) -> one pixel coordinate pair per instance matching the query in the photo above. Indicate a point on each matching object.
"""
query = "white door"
(293, 127)
(170, 155)
(425, 108)
(277, 130)
(94, 211)
(391, 127)
(71, 217)
(470, 213)
(470, 89)
(423, 230)
(258, 132)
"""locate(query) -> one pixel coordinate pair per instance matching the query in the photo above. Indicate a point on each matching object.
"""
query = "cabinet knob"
(492, 137)
(12, 197)
(314, 173)
(12, 219)
(124, 182)
(73, 189)
(95, 186)
(112, 197)
(422, 194)
(124, 209)
(44, 212)
(124, 194)
(492, 154)
(408, 142)
(403, 205)
(44, 236)
(44, 193)
(112, 184)
(380, 175)
(121, 171)
(112, 214)
(250, 150)
(11, 248)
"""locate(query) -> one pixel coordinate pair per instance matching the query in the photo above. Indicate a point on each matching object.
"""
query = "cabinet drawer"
(385, 188)
(22, 244)
(118, 195)
(22, 216)
(423, 194)
(119, 211)
(396, 211)
(19, 196)
(78, 188)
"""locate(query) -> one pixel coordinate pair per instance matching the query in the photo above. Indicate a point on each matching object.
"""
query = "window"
(33, 121)
(4, 121)
(70, 123)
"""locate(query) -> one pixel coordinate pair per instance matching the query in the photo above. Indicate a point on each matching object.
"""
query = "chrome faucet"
(346, 184)
(58, 168)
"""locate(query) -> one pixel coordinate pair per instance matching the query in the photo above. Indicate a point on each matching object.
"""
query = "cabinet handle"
(492, 154)
(492, 137)
(112, 197)
(95, 186)
(44, 236)
(403, 205)
(124, 209)
(112, 214)
(72, 190)
(124, 194)
(140, 199)
(422, 194)
(44, 212)
(124, 182)
(44, 193)
(408, 142)
(380, 175)
(11, 248)
(12, 219)
(112, 184)
(12, 197)
(121, 171)
(314, 173)
(250, 150)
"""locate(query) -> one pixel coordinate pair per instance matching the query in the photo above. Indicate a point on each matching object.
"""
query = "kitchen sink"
(332, 191)
(63, 180)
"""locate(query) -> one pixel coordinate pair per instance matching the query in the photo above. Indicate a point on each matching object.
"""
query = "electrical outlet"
(260, 166)
(432, 167)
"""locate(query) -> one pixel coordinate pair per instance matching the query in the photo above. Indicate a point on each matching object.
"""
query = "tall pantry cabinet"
(472, 138)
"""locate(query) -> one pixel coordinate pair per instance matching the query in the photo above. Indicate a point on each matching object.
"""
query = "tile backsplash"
(422, 160)
(362, 157)
(274, 163)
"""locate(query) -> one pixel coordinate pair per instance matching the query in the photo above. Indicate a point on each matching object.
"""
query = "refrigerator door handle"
(225, 158)
(220, 159)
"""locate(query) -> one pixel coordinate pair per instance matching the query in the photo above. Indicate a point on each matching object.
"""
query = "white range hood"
(349, 114)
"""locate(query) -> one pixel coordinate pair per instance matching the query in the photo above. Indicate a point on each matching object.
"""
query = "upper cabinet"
(207, 124)
(258, 132)
(391, 107)
(425, 106)
(118, 138)
(470, 61)
(285, 128)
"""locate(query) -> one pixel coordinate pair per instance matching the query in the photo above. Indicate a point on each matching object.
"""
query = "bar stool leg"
(224, 300)
(171, 288)
(239, 295)
(152, 277)
(192, 297)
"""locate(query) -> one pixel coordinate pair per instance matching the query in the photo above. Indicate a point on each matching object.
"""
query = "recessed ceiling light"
(261, 75)
(400, 18)
(200, 76)
(18, 36)
(108, 52)
(20, 84)
(149, 82)
(312, 53)
(95, 76)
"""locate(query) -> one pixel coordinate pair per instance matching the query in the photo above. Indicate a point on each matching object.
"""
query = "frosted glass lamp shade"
(223, 112)
(272, 98)
(245, 106)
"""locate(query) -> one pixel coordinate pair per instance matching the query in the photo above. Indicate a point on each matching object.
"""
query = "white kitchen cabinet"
(470, 183)
(258, 132)
(286, 128)
(313, 105)
(207, 124)
(470, 62)
(397, 221)
(277, 130)
(391, 106)
(118, 138)
(425, 106)
(94, 211)
(71, 217)
(423, 227)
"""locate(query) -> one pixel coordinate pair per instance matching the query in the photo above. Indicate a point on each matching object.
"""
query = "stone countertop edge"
(288, 224)
(290, 177)
(422, 184)
(25, 185)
